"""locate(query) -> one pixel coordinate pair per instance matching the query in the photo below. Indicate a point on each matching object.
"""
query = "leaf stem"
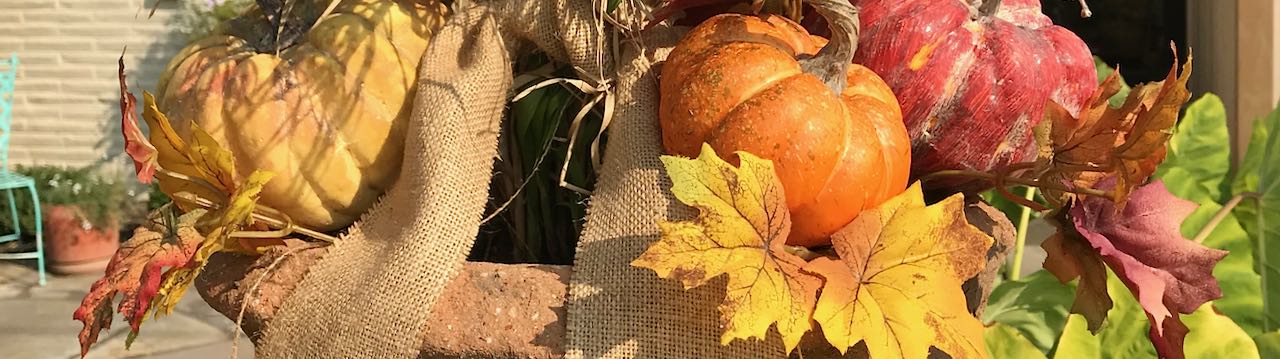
(1024, 218)
(1268, 323)
(1220, 215)
(286, 225)
(1015, 180)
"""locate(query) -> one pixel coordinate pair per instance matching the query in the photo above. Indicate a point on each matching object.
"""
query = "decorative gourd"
(973, 79)
(324, 110)
(833, 130)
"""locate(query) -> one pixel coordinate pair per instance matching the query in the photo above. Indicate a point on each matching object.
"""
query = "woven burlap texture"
(364, 298)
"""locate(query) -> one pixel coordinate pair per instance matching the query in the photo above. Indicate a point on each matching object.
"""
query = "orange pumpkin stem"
(832, 62)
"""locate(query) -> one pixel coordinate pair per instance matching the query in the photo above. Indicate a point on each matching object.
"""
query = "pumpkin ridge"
(765, 83)
(960, 71)
(313, 98)
(373, 56)
(315, 156)
(185, 55)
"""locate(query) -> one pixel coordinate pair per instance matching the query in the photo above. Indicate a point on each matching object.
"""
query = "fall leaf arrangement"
(153, 269)
(797, 162)
(891, 277)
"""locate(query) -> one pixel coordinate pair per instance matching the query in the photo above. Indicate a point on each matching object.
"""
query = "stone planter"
(73, 246)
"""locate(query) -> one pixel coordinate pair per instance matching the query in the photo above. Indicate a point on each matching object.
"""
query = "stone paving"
(35, 323)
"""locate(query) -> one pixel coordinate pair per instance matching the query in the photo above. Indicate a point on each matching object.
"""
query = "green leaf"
(1005, 342)
(1076, 342)
(1216, 336)
(1125, 333)
(613, 5)
(1241, 286)
(1195, 169)
(1199, 155)
(1036, 306)
(1260, 173)
(1103, 71)
(1268, 344)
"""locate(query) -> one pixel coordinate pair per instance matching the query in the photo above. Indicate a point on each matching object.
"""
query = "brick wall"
(66, 109)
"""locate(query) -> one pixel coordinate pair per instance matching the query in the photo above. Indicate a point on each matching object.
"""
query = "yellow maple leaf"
(896, 284)
(217, 227)
(740, 231)
(202, 158)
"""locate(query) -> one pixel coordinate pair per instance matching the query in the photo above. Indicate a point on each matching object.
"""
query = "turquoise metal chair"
(10, 180)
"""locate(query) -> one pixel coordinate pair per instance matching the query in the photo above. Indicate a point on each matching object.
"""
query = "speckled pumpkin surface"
(325, 110)
(734, 82)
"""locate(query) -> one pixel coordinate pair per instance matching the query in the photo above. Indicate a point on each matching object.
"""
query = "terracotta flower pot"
(73, 245)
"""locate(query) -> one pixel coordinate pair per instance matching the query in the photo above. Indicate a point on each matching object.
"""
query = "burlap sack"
(363, 298)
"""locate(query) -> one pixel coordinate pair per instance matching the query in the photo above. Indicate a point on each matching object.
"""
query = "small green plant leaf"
(1196, 170)
(1241, 286)
(1268, 344)
(1199, 154)
(1035, 306)
(1006, 342)
(1211, 335)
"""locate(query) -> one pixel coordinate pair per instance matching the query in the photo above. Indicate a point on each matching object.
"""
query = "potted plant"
(81, 216)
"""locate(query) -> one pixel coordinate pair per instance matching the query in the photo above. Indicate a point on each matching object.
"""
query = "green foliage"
(101, 198)
(1199, 153)
(1125, 333)
(156, 198)
(541, 219)
(1006, 342)
(1036, 306)
(1196, 169)
(1268, 344)
(1260, 174)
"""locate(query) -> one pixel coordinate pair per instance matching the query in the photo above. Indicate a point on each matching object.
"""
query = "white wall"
(66, 109)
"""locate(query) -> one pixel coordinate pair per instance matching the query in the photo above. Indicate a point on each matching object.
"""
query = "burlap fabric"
(363, 298)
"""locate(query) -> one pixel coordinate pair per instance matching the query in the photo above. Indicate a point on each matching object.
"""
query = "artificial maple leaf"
(1068, 258)
(218, 226)
(896, 285)
(136, 145)
(135, 273)
(740, 231)
(1127, 142)
(1143, 244)
(201, 157)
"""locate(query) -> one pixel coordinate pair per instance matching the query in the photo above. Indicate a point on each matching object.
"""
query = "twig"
(286, 225)
(1220, 215)
(536, 167)
(1015, 271)
(1015, 180)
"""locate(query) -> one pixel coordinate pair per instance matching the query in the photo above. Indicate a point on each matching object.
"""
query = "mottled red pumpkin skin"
(972, 89)
(734, 83)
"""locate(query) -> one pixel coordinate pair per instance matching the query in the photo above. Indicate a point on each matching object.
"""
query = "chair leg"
(35, 203)
(13, 209)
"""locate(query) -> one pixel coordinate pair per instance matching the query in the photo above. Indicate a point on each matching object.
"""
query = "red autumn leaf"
(1168, 274)
(135, 142)
(135, 273)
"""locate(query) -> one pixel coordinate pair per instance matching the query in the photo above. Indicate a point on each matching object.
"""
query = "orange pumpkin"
(757, 84)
